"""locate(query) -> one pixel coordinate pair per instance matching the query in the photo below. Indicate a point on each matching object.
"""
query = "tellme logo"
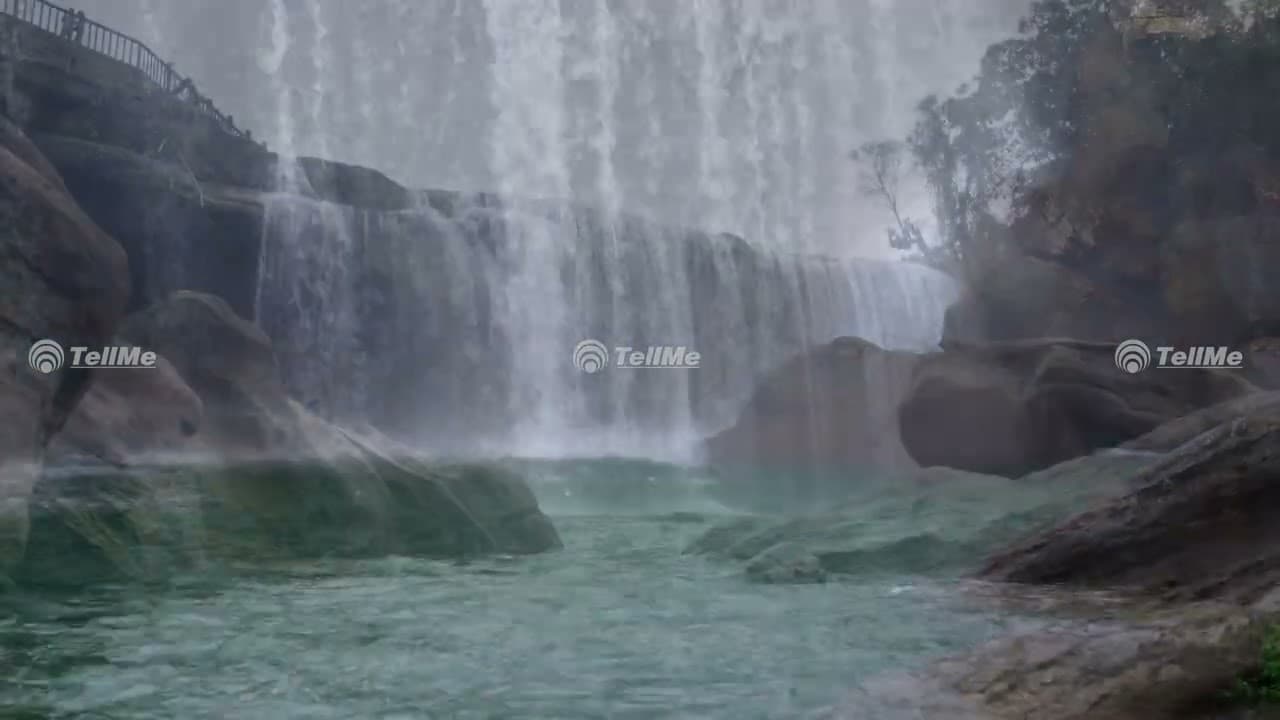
(46, 356)
(1133, 356)
(592, 356)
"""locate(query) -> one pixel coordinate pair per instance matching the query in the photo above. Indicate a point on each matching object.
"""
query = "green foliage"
(883, 165)
(1262, 687)
(1029, 110)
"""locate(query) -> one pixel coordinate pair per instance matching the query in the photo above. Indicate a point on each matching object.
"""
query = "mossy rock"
(150, 524)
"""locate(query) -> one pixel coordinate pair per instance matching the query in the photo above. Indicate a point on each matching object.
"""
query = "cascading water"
(457, 321)
(730, 115)
(603, 129)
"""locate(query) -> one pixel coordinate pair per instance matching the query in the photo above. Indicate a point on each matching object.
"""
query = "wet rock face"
(64, 279)
(1200, 524)
(1172, 435)
(1161, 665)
(1012, 408)
(180, 232)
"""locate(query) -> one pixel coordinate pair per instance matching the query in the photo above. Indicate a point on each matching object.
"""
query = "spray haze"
(734, 116)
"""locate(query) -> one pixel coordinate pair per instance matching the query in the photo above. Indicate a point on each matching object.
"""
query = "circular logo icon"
(45, 356)
(1133, 356)
(590, 356)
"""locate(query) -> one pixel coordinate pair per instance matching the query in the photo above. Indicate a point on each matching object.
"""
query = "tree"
(1041, 98)
(881, 178)
(882, 166)
(977, 149)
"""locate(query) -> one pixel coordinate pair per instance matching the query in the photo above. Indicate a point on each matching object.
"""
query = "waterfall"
(606, 160)
(455, 323)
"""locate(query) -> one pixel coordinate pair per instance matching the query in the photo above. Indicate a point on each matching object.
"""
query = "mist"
(730, 116)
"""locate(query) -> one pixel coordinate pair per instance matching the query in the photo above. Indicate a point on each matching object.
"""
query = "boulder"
(63, 279)
(1011, 408)
(92, 525)
(126, 416)
(207, 459)
(1199, 524)
(834, 406)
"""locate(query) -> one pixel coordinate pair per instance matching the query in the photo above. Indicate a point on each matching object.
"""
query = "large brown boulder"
(1011, 408)
(833, 406)
(1200, 524)
(61, 278)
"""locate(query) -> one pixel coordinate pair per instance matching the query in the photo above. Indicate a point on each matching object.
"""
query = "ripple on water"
(619, 623)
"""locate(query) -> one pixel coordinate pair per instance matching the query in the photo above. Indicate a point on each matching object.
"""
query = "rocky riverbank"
(1186, 556)
(1154, 220)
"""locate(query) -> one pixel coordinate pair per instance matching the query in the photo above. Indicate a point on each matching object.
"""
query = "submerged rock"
(91, 525)
(785, 563)
(1012, 408)
(923, 522)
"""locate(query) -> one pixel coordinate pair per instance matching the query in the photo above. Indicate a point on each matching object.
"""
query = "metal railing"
(76, 28)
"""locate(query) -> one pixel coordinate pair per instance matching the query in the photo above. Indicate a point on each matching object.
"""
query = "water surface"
(618, 624)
